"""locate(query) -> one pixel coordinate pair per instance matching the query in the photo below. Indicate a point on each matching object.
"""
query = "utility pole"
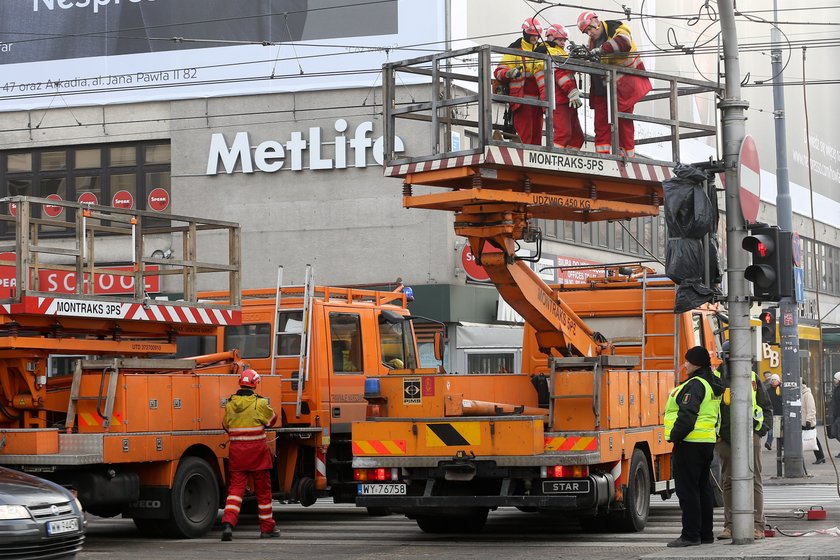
(738, 302)
(794, 464)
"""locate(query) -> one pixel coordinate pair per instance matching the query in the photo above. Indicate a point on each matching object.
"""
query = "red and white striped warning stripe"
(153, 312)
(581, 162)
(432, 165)
(644, 171)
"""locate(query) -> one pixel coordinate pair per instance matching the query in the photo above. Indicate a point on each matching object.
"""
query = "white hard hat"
(837, 376)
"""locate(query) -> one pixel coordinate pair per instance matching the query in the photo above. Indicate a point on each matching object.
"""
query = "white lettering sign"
(67, 4)
(769, 354)
(271, 156)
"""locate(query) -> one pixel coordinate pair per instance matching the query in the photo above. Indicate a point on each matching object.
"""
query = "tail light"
(376, 475)
(564, 471)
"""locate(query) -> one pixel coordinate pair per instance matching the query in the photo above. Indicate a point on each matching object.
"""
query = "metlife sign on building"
(270, 156)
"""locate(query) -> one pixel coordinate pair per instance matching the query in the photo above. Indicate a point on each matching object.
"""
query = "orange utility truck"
(87, 397)
(335, 336)
(579, 430)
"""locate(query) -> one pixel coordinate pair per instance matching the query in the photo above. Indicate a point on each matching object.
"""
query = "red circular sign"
(122, 199)
(158, 200)
(468, 261)
(53, 211)
(88, 198)
(12, 209)
(749, 179)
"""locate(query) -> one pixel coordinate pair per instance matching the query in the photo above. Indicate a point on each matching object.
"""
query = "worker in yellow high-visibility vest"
(692, 413)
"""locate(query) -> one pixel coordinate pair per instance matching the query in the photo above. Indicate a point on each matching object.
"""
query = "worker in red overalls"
(567, 130)
(612, 43)
(246, 416)
(520, 74)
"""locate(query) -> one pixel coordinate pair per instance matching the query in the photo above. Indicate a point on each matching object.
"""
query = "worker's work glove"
(574, 99)
(514, 73)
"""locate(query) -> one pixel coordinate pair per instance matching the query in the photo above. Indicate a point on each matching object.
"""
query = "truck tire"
(195, 499)
(467, 523)
(637, 497)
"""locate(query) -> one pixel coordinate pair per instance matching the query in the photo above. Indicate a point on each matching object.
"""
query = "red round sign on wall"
(468, 261)
(158, 200)
(53, 211)
(88, 198)
(122, 199)
(12, 209)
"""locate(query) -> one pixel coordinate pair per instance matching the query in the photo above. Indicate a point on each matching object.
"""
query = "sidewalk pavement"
(811, 547)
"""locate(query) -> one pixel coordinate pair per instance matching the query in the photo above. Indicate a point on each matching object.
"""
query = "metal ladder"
(75, 389)
(305, 341)
(646, 334)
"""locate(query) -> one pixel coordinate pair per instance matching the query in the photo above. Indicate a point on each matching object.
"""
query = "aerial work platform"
(473, 156)
(82, 268)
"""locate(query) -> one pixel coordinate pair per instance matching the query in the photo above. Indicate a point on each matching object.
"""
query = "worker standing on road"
(520, 74)
(692, 413)
(567, 130)
(612, 43)
(762, 411)
(246, 416)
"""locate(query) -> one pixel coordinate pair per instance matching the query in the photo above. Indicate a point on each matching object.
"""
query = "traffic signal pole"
(793, 462)
(738, 302)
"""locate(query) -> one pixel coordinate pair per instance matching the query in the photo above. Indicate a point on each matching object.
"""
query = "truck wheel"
(195, 499)
(468, 523)
(637, 497)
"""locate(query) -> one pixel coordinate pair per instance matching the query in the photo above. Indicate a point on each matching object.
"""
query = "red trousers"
(527, 120)
(567, 131)
(262, 484)
(603, 130)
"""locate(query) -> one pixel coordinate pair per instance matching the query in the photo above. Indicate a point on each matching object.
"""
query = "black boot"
(227, 532)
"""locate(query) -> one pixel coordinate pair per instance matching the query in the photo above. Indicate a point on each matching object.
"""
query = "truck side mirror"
(439, 346)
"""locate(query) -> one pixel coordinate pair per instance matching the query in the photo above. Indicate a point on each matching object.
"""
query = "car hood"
(23, 489)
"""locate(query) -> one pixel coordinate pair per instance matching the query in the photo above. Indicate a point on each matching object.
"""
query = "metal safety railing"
(453, 91)
(81, 243)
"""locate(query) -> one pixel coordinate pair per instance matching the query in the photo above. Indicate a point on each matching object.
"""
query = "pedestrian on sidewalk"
(761, 414)
(834, 411)
(692, 412)
(809, 420)
(773, 386)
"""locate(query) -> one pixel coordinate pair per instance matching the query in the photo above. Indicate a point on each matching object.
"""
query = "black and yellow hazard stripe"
(446, 434)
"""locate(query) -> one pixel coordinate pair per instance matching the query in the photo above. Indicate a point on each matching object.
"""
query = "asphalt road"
(341, 532)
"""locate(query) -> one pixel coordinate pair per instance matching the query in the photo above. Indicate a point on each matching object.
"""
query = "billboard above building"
(82, 52)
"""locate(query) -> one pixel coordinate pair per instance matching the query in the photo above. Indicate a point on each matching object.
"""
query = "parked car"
(38, 519)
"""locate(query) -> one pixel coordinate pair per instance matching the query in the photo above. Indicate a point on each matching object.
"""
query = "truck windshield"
(396, 339)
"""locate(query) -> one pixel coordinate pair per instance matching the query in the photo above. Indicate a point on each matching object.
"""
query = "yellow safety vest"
(705, 427)
(758, 412)
(617, 58)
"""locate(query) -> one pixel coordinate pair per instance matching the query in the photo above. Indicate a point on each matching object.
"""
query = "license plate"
(566, 486)
(382, 489)
(62, 526)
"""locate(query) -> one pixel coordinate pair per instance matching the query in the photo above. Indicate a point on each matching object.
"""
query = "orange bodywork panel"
(576, 409)
(514, 436)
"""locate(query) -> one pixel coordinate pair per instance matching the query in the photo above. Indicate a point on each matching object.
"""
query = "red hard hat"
(585, 19)
(555, 31)
(532, 27)
(249, 378)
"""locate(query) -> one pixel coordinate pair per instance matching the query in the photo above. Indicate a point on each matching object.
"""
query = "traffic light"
(768, 326)
(771, 271)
